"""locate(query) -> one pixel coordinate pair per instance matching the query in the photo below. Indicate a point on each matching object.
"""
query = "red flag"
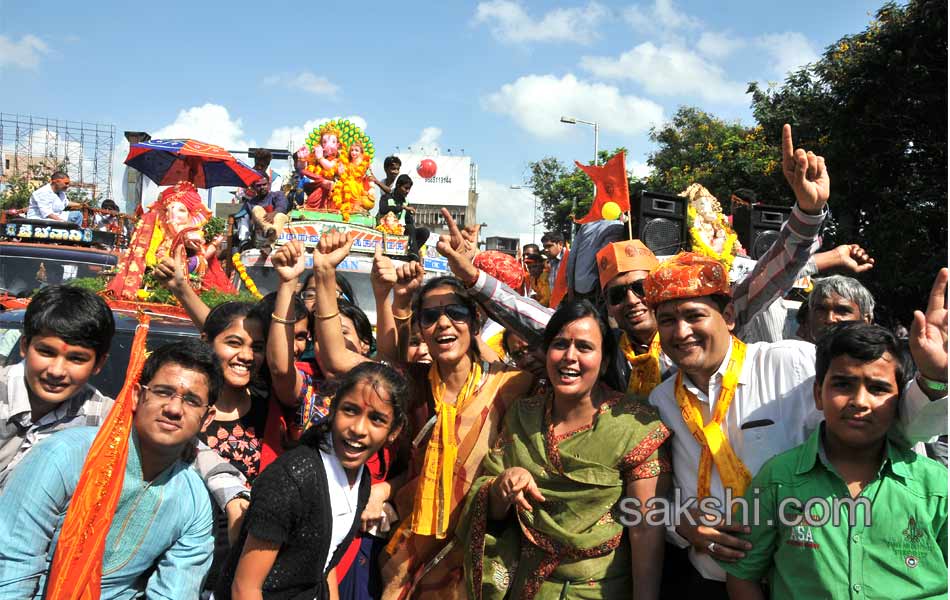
(611, 181)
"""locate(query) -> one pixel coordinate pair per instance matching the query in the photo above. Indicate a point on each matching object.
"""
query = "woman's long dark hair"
(570, 311)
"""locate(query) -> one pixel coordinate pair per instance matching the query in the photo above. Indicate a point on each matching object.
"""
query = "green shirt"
(902, 553)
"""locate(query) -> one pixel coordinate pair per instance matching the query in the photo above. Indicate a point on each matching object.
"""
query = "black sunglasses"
(458, 313)
(618, 293)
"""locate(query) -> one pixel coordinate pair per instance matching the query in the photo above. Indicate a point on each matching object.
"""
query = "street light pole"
(574, 121)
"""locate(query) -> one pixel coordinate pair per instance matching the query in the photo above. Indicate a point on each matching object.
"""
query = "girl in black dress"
(305, 507)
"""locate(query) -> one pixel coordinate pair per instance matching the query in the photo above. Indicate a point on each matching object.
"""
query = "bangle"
(281, 321)
(931, 384)
(329, 316)
(406, 318)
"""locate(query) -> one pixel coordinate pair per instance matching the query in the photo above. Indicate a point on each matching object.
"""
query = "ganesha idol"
(175, 220)
(337, 158)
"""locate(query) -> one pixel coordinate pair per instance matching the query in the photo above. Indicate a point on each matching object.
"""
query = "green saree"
(570, 545)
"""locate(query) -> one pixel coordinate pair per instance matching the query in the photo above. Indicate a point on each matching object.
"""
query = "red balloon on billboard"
(426, 168)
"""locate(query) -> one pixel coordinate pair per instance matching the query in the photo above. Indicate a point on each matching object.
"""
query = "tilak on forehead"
(686, 275)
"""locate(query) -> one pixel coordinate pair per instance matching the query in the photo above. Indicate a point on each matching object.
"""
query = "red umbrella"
(166, 162)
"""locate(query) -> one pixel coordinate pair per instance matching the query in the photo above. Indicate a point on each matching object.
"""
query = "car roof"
(124, 321)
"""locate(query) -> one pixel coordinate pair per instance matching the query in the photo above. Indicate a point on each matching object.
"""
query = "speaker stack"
(660, 221)
(758, 226)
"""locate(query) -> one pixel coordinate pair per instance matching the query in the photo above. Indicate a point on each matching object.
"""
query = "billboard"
(437, 179)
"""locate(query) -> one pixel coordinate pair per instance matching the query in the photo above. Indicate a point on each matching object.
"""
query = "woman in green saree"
(544, 519)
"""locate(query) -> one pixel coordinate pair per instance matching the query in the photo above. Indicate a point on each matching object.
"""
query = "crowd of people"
(665, 435)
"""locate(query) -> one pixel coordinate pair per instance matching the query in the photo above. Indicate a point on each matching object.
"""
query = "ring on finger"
(711, 547)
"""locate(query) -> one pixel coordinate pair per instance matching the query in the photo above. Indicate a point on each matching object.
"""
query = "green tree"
(875, 106)
(696, 147)
(558, 186)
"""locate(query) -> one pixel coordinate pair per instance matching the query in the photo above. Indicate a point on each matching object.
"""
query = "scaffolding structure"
(30, 145)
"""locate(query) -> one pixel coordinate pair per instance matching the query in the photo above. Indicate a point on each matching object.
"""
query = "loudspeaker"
(660, 222)
(758, 225)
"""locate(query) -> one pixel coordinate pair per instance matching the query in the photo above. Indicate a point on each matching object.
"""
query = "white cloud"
(428, 142)
(306, 81)
(668, 70)
(24, 54)
(211, 123)
(662, 14)
(718, 45)
(640, 170)
(292, 137)
(510, 22)
(508, 212)
(537, 102)
(788, 51)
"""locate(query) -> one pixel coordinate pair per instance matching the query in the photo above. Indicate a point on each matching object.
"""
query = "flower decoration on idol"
(390, 225)
(339, 154)
(710, 231)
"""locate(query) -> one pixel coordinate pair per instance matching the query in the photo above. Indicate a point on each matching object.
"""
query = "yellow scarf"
(710, 436)
(644, 368)
(433, 500)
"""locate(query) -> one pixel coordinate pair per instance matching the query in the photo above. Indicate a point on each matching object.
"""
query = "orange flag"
(560, 281)
(611, 181)
(76, 570)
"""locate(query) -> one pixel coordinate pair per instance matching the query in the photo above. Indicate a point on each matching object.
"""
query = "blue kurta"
(166, 523)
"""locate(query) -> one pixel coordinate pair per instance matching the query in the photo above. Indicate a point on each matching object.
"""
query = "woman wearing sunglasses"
(456, 406)
(545, 518)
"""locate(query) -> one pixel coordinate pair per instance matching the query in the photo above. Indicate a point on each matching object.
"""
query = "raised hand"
(928, 332)
(459, 250)
(172, 271)
(289, 261)
(805, 172)
(383, 274)
(409, 278)
(333, 247)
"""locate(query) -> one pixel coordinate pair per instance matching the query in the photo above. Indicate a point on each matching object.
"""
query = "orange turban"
(622, 257)
(686, 275)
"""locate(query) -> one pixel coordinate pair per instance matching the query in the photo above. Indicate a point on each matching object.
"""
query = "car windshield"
(20, 275)
(110, 379)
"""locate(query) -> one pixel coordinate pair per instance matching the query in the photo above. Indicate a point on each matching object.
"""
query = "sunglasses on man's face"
(458, 313)
(618, 293)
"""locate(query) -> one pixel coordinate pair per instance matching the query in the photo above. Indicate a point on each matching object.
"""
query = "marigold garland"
(242, 271)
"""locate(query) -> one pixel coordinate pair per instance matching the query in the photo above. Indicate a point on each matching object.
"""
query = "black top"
(390, 203)
(290, 505)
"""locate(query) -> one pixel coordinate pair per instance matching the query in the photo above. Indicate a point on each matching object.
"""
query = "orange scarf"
(433, 501)
(644, 368)
(711, 438)
(76, 570)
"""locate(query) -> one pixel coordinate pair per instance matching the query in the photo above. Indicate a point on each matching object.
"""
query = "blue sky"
(491, 78)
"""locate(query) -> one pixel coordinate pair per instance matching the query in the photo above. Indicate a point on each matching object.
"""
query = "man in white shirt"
(760, 395)
(49, 202)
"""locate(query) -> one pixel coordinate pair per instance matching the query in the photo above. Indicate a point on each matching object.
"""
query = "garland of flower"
(729, 247)
(242, 271)
(395, 229)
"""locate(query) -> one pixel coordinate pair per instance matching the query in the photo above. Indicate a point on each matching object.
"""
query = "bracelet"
(281, 321)
(406, 318)
(329, 316)
(931, 384)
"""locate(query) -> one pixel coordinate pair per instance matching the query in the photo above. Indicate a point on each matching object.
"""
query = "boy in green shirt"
(848, 514)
